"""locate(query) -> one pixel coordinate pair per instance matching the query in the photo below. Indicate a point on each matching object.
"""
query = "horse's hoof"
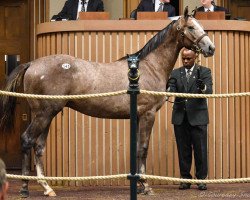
(140, 191)
(50, 194)
(148, 191)
(24, 193)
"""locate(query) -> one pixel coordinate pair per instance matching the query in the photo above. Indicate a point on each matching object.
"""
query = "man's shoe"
(202, 186)
(184, 186)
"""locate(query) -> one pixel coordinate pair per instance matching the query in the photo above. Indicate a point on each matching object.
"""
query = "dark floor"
(215, 191)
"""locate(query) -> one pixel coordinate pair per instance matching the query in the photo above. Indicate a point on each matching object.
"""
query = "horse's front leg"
(146, 123)
(39, 149)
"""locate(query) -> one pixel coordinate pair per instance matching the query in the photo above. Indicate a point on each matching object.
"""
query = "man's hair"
(2, 174)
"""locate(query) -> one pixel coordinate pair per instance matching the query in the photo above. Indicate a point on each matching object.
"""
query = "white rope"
(124, 176)
(84, 96)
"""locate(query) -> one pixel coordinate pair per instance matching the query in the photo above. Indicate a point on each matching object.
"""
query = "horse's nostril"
(211, 48)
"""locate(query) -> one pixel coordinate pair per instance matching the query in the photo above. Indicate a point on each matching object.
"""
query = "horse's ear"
(186, 13)
(194, 12)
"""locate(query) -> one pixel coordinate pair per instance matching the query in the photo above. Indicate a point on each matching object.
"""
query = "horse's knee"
(26, 143)
(39, 149)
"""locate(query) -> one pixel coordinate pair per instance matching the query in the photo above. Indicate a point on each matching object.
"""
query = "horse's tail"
(8, 103)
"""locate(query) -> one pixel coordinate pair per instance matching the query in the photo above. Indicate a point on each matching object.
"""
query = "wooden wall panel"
(247, 46)
(231, 113)
(86, 146)
(130, 5)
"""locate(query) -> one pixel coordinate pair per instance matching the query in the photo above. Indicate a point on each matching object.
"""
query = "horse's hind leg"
(146, 123)
(24, 192)
(39, 149)
(28, 139)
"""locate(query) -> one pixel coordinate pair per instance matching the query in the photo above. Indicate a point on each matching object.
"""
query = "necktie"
(160, 9)
(83, 6)
(208, 10)
(188, 74)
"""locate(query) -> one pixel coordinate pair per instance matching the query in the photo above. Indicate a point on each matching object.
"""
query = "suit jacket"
(149, 5)
(70, 8)
(216, 8)
(196, 109)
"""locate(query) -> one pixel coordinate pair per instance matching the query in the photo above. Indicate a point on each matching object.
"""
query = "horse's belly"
(102, 108)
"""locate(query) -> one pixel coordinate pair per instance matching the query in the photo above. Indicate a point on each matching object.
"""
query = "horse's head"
(193, 35)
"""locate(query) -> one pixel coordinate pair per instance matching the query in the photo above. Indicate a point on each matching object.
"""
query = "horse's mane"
(153, 43)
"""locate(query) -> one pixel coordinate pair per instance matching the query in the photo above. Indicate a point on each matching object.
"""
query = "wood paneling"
(86, 146)
(14, 40)
(18, 20)
(130, 6)
(238, 8)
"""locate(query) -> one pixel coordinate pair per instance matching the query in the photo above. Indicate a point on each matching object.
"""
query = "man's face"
(206, 3)
(188, 58)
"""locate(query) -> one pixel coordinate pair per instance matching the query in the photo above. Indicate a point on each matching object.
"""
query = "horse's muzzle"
(210, 52)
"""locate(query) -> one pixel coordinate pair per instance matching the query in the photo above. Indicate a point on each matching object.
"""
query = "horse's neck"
(165, 56)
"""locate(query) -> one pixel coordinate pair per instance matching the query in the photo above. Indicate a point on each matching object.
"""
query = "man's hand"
(200, 84)
(171, 81)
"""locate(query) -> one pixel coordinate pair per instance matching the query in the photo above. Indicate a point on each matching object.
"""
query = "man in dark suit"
(71, 8)
(155, 6)
(190, 116)
(209, 6)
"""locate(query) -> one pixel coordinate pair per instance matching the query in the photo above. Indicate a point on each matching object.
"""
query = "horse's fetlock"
(39, 151)
(24, 193)
(143, 153)
(26, 147)
(145, 147)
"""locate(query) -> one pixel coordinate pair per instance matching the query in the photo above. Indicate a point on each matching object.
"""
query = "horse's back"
(53, 74)
(67, 75)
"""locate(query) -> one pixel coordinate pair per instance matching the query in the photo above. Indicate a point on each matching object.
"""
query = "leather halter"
(196, 47)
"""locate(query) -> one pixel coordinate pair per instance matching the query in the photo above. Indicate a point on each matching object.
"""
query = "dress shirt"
(157, 5)
(211, 9)
(80, 6)
(191, 70)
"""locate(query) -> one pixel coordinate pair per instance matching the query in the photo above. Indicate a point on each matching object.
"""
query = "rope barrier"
(188, 95)
(85, 96)
(87, 178)
(124, 176)
(170, 179)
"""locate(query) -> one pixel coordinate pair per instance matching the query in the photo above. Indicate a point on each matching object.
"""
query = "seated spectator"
(156, 6)
(72, 8)
(3, 181)
(209, 6)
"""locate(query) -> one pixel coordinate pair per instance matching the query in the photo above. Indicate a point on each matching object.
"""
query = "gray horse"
(67, 75)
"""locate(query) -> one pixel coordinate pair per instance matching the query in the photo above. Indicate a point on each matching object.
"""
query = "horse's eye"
(191, 28)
